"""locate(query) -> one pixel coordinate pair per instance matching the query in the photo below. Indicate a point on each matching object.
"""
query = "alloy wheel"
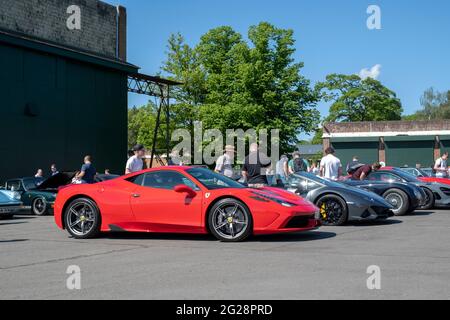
(230, 220)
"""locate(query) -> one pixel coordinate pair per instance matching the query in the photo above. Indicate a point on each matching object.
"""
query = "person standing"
(87, 172)
(255, 168)
(39, 173)
(353, 165)
(135, 162)
(224, 164)
(281, 169)
(314, 168)
(330, 166)
(298, 164)
(440, 167)
(54, 170)
(363, 172)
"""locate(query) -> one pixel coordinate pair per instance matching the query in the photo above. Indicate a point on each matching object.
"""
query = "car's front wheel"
(429, 200)
(39, 206)
(399, 200)
(333, 210)
(230, 220)
(82, 219)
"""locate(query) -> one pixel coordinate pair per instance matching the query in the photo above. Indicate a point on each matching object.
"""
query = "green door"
(366, 151)
(409, 151)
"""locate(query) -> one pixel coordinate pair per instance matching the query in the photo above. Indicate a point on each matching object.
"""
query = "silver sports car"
(339, 203)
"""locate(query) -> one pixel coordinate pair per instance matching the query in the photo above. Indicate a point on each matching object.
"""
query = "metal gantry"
(159, 88)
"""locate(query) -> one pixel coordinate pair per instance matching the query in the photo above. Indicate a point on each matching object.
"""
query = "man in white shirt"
(330, 166)
(440, 167)
(135, 163)
(224, 164)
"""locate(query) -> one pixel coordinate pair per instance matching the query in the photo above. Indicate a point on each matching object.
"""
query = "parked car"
(404, 197)
(9, 203)
(437, 194)
(181, 200)
(38, 194)
(339, 203)
(420, 173)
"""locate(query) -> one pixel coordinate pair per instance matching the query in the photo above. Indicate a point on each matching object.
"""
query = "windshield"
(406, 176)
(318, 179)
(32, 183)
(212, 180)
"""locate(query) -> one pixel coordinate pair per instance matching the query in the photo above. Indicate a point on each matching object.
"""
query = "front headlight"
(16, 196)
(279, 201)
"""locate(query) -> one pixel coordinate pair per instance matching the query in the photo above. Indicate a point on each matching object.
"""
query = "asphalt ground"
(411, 252)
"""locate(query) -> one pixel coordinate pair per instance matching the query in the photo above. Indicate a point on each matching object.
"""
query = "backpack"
(299, 165)
(352, 169)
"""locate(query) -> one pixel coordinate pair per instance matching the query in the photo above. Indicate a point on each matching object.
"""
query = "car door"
(156, 203)
(17, 186)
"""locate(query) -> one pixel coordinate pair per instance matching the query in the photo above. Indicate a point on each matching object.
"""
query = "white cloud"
(373, 72)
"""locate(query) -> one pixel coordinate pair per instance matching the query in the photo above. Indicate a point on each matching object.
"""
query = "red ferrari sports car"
(181, 200)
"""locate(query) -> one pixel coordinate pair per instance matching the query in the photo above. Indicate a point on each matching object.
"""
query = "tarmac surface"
(412, 253)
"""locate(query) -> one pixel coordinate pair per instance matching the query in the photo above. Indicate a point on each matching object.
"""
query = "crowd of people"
(258, 170)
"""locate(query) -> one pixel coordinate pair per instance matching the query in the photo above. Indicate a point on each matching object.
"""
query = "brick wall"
(47, 19)
(387, 126)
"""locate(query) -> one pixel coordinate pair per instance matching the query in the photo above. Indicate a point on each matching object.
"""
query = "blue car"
(9, 203)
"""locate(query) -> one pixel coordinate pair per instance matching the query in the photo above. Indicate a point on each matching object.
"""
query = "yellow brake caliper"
(323, 211)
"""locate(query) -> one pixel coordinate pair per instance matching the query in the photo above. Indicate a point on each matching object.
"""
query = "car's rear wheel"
(230, 220)
(399, 200)
(429, 200)
(39, 206)
(82, 219)
(333, 210)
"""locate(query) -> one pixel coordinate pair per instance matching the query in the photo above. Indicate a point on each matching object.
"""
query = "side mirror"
(181, 188)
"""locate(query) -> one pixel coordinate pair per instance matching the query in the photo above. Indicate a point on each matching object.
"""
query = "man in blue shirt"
(88, 171)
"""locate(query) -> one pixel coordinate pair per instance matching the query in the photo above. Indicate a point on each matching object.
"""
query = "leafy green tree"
(354, 99)
(435, 106)
(230, 83)
(141, 125)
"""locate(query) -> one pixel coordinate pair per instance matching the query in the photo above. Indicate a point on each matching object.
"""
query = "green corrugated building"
(397, 143)
(63, 91)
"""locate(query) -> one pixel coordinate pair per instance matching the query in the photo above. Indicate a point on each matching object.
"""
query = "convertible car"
(437, 194)
(404, 197)
(181, 200)
(9, 203)
(339, 203)
(39, 194)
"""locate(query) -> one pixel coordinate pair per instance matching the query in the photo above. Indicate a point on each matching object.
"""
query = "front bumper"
(369, 212)
(7, 210)
(292, 222)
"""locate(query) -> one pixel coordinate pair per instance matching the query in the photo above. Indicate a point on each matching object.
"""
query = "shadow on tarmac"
(289, 237)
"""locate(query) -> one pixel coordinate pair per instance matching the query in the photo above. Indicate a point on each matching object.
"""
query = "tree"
(141, 125)
(355, 99)
(233, 84)
(435, 106)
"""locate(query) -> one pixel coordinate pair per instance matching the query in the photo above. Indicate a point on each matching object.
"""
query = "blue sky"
(413, 47)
